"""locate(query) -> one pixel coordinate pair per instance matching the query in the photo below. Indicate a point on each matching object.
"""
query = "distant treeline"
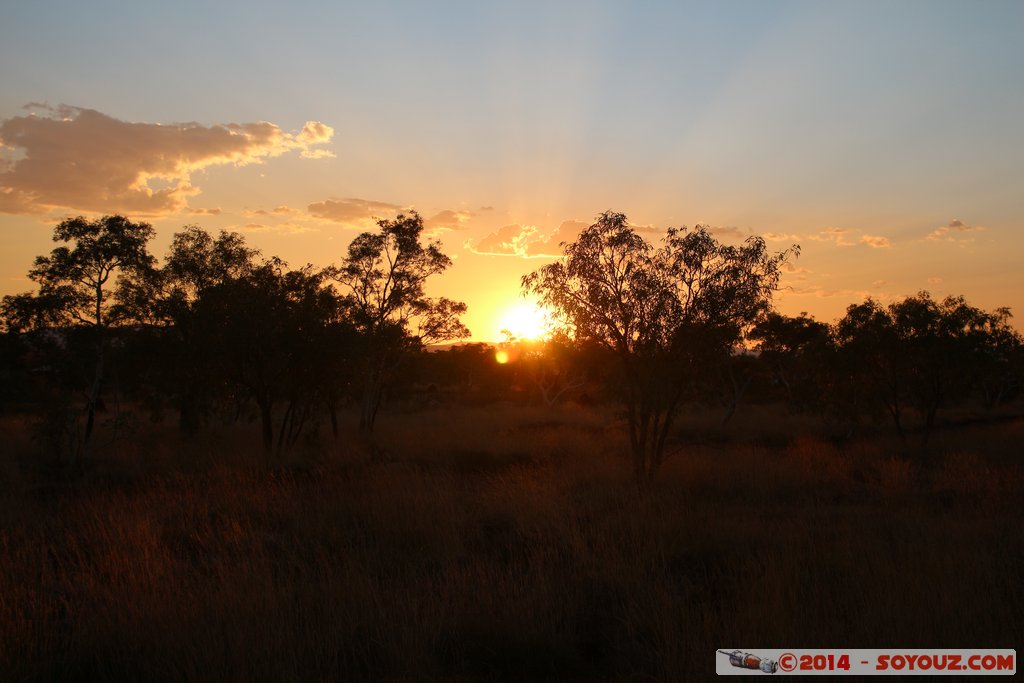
(219, 331)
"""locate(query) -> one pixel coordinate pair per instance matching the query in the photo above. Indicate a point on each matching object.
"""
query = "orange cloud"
(876, 241)
(950, 231)
(780, 237)
(836, 235)
(511, 240)
(81, 159)
(352, 210)
(526, 241)
(448, 220)
(730, 232)
(568, 231)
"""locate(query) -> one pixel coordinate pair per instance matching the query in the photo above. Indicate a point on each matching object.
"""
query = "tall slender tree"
(76, 284)
(384, 275)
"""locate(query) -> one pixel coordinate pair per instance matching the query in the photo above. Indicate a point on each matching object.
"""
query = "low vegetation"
(498, 542)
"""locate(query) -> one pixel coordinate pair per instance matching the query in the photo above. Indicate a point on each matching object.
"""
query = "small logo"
(745, 660)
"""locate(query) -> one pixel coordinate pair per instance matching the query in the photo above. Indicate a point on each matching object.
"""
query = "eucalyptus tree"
(796, 352)
(180, 363)
(919, 355)
(383, 276)
(76, 290)
(664, 312)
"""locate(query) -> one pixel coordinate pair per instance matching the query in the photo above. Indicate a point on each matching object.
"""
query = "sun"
(524, 320)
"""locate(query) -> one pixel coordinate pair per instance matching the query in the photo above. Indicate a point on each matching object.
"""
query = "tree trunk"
(92, 401)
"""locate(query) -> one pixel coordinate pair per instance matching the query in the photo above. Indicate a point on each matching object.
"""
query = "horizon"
(884, 140)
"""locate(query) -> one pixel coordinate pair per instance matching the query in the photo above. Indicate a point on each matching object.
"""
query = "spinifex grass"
(499, 544)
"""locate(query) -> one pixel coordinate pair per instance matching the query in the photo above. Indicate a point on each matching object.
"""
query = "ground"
(500, 542)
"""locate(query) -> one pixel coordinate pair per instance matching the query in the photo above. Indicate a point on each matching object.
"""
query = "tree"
(795, 352)
(922, 355)
(384, 274)
(551, 365)
(75, 283)
(165, 301)
(663, 312)
(1000, 368)
(265, 334)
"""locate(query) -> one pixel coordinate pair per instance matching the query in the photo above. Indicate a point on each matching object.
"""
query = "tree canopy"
(662, 311)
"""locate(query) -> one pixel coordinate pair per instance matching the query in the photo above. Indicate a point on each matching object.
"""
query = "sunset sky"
(886, 138)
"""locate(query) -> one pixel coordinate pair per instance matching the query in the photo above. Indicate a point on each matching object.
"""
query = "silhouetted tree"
(920, 354)
(663, 312)
(796, 353)
(266, 333)
(75, 284)
(384, 274)
(178, 364)
(550, 365)
(1000, 366)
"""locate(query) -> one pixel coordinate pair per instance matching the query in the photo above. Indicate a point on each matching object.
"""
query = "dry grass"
(499, 544)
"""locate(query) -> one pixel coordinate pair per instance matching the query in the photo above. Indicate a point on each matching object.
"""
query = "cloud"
(729, 231)
(276, 211)
(935, 280)
(352, 210)
(215, 211)
(951, 231)
(780, 237)
(836, 235)
(448, 220)
(315, 133)
(825, 293)
(841, 237)
(511, 240)
(84, 160)
(317, 154)
(527, 241)
(279, 228)
(875, 241)
(550, 245)
(795, 271)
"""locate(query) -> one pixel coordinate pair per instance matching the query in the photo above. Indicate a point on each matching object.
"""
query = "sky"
(885, 138)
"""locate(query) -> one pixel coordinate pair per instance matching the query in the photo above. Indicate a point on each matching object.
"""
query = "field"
(500, 542)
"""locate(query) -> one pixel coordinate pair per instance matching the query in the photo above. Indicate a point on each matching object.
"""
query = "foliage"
(74, 289)
(923, 355)
(384, 274)
(795, 352)
(665, 312)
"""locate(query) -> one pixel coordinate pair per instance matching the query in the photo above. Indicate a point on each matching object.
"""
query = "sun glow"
(524, 320)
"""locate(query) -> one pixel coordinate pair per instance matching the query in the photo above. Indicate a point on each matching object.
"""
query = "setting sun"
(524, 320)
